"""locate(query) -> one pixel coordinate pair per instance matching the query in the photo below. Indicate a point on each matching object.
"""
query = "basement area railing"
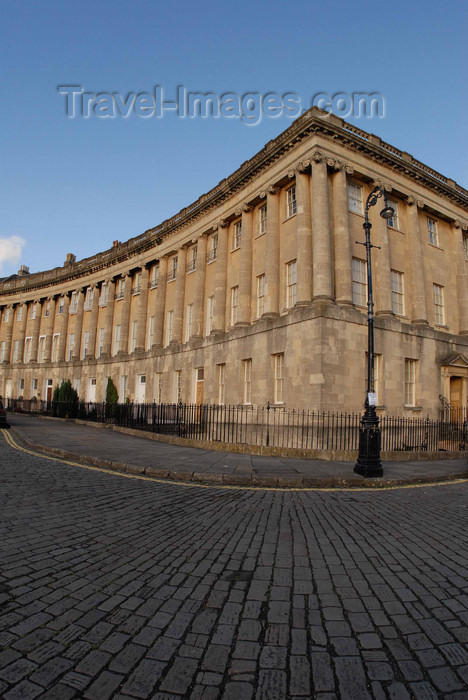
(263, 426)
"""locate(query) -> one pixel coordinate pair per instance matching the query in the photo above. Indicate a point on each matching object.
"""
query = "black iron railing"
(263, 426)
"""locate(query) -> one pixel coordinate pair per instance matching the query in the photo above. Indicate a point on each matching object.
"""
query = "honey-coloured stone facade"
(256, 293)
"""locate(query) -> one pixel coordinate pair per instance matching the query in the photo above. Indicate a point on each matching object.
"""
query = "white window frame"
(33, 310)
(136, 284)
(174, 261)
(278, 373)
(432, 231)
(192, 263)
(262, 219)
(133, 335)
(120, 290)
(398, 292)
(27, 349)
(88, 303)
(15, 357)
(41, 348)
(154, 281)
(177, 386)
(291, 283)
(71, 346)
(355, 203)
(169, 327)
(247, 381)
(291, 204)
(73, 303)
(188, 322)
(6, 316)
(150, 334)
(410, 382)
(237, 235)
(46, 309)
(3, 351)
(19, 313)
(157, 387)
(101, 334)
(393, 221)
(221, 378)
(61, 306)
(85, 345)
(209, 314)
(212, 253)
(439, 304)
(55, 347)
(234, 304)
(260, 295)
(104, 294)
(116, 341)
(359, 277)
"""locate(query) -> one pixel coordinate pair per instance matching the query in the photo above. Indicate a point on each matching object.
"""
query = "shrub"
(112, 395)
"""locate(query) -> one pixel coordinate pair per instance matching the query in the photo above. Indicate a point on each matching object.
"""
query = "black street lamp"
(368, 462)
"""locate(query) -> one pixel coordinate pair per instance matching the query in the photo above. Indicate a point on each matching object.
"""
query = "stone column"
(78, 325)
(9, 332)
(199, 288)
(93, 322)
(64, 328)
(381, 258)
(245, 267)
(416, 264)
(160, 305)
(303, 235)
(462, 279)
(49, 330)
(125, 318)
(109, 318)
(272, 296)
(142, 308)
(35, 331)
(22, 331)
(342, 243)
(219, 324)
(179, 295)
(321, 240)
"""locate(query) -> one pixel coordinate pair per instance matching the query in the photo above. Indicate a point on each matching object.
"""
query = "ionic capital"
(303, 166)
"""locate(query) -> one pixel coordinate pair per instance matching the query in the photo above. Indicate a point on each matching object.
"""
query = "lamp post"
(368, 462)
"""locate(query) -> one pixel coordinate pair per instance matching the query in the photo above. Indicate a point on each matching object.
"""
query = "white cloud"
(11, 249)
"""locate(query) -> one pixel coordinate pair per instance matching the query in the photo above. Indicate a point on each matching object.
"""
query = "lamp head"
(387, 212)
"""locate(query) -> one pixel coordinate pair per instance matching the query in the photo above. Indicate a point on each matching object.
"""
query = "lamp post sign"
(368, 462)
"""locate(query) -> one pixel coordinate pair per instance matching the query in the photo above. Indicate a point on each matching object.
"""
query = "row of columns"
(324, 270)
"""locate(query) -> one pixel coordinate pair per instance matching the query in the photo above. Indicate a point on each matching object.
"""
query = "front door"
(140, 388)
(8, 389)
(49, 390)
(92, 390)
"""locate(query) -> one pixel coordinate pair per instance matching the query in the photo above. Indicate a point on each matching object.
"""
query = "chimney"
(114, 243)
(24, 270)
(70, 259)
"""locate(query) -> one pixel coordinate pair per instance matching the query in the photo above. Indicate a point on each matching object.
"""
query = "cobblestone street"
(119, 587)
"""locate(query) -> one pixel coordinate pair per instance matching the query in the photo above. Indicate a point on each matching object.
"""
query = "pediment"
(456, 359)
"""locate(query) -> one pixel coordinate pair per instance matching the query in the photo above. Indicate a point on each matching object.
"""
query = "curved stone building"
(256, 292)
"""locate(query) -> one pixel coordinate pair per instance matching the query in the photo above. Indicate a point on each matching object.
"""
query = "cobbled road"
(115, 587)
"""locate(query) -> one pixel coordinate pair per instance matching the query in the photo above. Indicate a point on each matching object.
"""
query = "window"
(177, 389)
(172, 268)
(6, 316)
(237, 235)
(3, 351)
(150, 338)
(260, 295)
(291, 201)
(137, 283)
(359, 282)
(157, 389)
(20, 387)
(439, 306)
(61, 306)
(33, 386)
(234, 304)
(32, 312)
(465, 246)
(116, 347)
(393, 221)
(398, 293)
(120, 289)
(41, 349)
(410, 382)
(278, 377)
(133, 336)
(262, 220)
(19, 313)
(123, 387)
(85, 350)
(291, 283)
(100, 348)
(15, 351)
(247, 380)
(212, 253)
(209, 315)
(104, 293)
(432, 230)
(192, 263)
(27, 350)
(154, 280)
(46, 311)
(169, 326)
(88, 303)
(188, 322)
(71, 346)
(55, 347)
(355, 198)
(73, 303)
(221, 374)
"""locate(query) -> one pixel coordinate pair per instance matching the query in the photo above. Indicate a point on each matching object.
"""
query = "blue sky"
(75, 185)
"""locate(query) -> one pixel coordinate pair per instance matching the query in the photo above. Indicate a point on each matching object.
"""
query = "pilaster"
(321, 239)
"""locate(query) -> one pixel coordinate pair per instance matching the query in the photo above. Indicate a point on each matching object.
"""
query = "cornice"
(314, 121)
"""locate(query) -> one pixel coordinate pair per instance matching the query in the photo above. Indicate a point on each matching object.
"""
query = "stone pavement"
(116, 587)
(116, 450)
